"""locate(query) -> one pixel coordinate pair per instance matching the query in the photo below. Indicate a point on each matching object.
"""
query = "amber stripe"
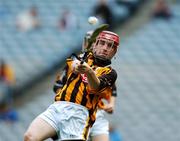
(68, 83)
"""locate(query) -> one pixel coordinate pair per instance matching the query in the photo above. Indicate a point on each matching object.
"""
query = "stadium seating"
(32, 54)
(148, 67)
(27, 113)
(148, 87)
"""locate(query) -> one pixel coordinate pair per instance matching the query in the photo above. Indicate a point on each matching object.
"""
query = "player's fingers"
(109, 110)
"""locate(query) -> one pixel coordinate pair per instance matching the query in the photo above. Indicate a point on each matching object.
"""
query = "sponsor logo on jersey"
(84, 78)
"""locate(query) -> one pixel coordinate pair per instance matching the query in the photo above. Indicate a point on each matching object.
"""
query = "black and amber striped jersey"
(76, 89)
(113, 93)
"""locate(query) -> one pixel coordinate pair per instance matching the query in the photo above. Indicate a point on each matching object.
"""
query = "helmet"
(86, 39)
(89, 33)
(106, 45)
(109, 36)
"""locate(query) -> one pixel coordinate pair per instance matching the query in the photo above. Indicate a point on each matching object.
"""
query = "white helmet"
(86, 39)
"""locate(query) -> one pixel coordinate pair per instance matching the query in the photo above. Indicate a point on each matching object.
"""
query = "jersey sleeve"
(108, 79)
(114, 90)
(61, 80)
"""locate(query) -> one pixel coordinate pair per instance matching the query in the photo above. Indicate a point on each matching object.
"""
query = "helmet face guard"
(106, 45)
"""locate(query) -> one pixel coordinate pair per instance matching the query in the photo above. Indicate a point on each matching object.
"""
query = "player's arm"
(108, 80)
(109, 107)
(60, 80)
(93, 80)
(101, 82)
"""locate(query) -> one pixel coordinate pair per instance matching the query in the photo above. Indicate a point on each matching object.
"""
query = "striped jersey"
(75, 87)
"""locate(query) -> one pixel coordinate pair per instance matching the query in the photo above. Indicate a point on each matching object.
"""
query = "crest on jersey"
(84, 78)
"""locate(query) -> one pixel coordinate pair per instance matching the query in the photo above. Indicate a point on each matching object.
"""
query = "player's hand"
(109, 108)
(82, 68)
(75, 63)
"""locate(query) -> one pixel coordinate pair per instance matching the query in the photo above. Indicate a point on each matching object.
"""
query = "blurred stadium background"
(148, 64)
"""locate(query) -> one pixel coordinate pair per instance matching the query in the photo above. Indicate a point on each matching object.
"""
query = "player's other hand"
(109, 108)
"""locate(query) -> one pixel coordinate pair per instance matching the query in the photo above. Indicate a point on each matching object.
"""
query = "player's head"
(86, 39)
(106, 45)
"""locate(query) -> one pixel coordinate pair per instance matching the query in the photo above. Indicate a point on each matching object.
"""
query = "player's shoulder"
(114, 72)
(72, 57)
(110, 68)
(90, 53)
(111, 71)
(106, 70)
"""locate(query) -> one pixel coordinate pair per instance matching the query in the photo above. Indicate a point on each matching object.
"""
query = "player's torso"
(77, 89)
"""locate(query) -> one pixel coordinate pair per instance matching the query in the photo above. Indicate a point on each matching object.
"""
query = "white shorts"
(70, 120)
(101, 125)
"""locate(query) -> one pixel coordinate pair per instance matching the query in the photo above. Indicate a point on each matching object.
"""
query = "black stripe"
(75, 90)
(91, 122)
(71, 78)
(91, 97)
(87, 128)
(92, 110)
(84, 99)
(63, 95)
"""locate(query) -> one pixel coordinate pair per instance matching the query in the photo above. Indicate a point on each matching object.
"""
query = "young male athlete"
(100, 129)
(75, 106)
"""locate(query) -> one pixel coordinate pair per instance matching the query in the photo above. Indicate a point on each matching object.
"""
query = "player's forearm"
(93, 80)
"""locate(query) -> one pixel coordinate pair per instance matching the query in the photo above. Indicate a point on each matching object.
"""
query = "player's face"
(105, 49)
